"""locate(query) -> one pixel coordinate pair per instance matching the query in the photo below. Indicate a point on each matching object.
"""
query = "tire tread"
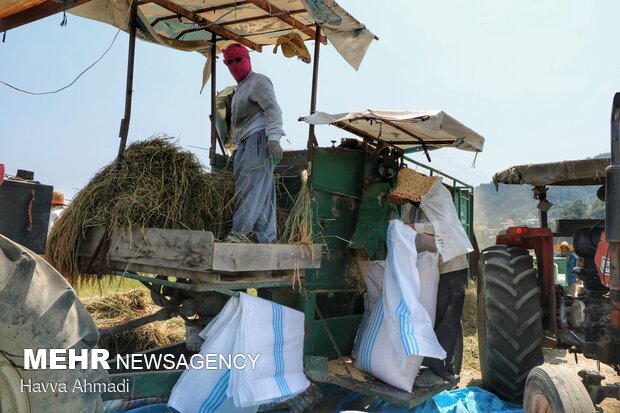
(510, 332)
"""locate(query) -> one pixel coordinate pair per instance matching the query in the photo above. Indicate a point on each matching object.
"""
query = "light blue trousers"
(255, 209)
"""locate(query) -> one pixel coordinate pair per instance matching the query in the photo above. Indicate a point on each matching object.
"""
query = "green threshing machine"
(195, 274)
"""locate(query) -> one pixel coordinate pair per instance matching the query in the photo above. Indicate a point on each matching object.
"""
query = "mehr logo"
(63, 359)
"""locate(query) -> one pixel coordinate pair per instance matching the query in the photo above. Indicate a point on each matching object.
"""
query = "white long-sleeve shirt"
(425, 238)
(54, 214)
(254, 107)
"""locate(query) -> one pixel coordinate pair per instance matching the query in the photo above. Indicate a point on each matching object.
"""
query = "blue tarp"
(467, 400)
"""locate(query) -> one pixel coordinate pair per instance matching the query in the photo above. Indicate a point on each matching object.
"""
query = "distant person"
(571, 261)
(58, 206)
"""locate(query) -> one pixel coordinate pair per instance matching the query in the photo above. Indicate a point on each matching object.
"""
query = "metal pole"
(544, 220)
(312, 142)
(213, 92)
(124, 131)
(101, 251)
(612, 215)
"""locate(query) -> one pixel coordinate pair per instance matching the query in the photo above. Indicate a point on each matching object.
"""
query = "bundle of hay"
(157, 185)
(298, 225)
(112, 310)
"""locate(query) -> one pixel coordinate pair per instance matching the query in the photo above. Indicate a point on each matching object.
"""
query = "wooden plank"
(207, 24)
(242, 284)
(34, 11)
(203, 10)
(194, 255)
(89, 244)
(10, 7)
(262, 257)
(159, 270)
(286, 18)
(167, 248)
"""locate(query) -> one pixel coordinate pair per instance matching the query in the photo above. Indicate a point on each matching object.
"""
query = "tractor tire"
(510, 333)
(555, 389)
(39, 310)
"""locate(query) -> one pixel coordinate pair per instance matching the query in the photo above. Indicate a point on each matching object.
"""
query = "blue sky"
(535, 78)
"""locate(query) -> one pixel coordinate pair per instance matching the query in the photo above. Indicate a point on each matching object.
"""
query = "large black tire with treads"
(39, 310)
(555, 389)
(510, 333)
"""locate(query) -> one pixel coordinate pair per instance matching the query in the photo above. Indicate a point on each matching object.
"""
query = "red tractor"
(521, 307)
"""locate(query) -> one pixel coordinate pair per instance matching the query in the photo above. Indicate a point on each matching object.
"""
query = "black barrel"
(24, 212)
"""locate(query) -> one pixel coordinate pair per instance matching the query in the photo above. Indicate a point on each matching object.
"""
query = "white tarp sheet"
(405, 128)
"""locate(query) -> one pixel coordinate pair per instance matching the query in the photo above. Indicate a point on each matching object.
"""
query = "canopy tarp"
(407, 129)
(188, 24)
(565, 173)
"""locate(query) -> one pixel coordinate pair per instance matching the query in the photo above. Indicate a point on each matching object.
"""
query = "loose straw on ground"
(112, 310)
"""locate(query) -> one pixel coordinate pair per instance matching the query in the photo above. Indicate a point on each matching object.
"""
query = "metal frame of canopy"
(364, 135)
(24, 12)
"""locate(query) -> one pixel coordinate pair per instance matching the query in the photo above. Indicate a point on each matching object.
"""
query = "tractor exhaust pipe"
(612, 214)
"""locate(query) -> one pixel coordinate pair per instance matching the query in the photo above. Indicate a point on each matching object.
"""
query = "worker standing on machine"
(256, 129)
(428, 208)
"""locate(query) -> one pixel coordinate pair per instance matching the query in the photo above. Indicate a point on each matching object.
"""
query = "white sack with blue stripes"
(397, 328)
(246, 325)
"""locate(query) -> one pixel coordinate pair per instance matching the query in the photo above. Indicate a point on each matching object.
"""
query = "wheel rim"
(540, 404)
(12, 399)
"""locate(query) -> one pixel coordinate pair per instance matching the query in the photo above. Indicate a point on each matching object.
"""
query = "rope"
(74, 80)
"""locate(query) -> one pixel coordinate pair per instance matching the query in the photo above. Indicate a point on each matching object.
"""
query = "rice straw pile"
(112, 310)
(158, 185)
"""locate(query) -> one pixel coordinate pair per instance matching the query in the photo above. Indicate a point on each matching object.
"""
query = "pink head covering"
(237, 58)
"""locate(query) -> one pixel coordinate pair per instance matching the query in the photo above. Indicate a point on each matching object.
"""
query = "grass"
(104, 288)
